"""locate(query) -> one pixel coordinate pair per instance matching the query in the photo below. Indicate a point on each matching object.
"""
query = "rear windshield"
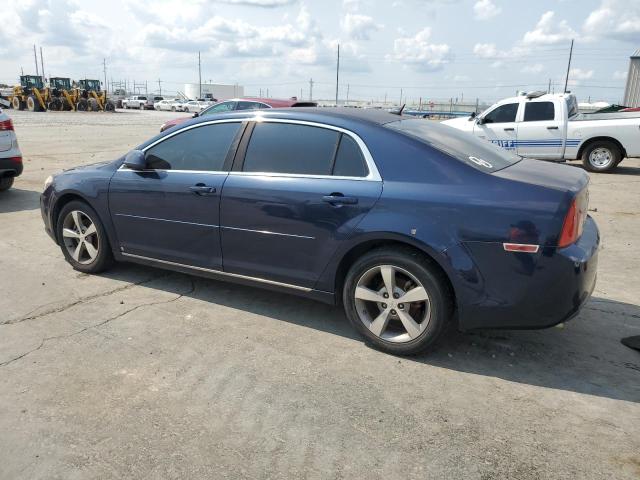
(473, 151)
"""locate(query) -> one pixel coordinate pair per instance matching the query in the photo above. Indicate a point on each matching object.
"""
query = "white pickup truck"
(549, 127)
(137, 101)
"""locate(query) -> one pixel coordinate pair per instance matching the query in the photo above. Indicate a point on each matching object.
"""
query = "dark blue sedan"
(409, 224)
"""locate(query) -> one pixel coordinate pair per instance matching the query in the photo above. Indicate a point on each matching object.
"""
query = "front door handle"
(339, 199)
(202, 189)
(509, 129)
(552, 128)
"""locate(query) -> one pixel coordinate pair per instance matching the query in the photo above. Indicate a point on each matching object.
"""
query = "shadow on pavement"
(18, 200)
(585, 356)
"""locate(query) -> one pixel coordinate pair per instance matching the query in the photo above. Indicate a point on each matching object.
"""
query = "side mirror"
(135, 160)
(195, 115)
(472, 116)
(480, 121)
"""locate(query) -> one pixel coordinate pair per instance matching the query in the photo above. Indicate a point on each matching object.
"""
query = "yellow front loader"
(30, 94)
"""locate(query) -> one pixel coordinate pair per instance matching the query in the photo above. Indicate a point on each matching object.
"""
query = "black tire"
(6, 183)
(93, 105)
(606, 148)
(432, 280)
(110, 106)
(33, 105)
(173, 109)
(141, 107)
(104, 258)
(55, 105)
(17, 104)
(82, 105)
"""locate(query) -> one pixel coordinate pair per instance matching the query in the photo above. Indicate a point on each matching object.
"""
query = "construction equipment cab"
(549, 127)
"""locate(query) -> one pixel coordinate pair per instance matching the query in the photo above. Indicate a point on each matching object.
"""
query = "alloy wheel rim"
(392, 303)
(600, 157)
(80, 237)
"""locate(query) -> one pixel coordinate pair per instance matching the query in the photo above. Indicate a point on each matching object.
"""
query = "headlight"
(48, 181)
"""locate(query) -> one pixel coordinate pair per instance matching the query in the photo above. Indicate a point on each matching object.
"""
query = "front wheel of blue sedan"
(397, 300)
(83, 239)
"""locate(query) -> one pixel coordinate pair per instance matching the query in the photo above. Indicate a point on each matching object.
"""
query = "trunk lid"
(546, 174)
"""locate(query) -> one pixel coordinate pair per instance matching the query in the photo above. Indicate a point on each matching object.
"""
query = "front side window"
(220, 108)
(539, 111)
(247, 106)
(291, 148)
(503, 114)
(202, 148)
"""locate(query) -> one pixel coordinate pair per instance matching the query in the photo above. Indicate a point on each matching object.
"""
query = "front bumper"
(46, 202)
(527, 291)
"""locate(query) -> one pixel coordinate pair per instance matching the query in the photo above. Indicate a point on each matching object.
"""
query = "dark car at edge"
(409, 225)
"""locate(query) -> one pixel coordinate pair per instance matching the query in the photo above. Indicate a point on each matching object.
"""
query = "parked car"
(136, 101)
(151, 102)
(195, 106)
(177, 105)
(549, 127)
(166, 105)
(240, 104)
(406, 223)
(10, 154)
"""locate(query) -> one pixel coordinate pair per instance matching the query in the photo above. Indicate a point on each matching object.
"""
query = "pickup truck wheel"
(602, 156)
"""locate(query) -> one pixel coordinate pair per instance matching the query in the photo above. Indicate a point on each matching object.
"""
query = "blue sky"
(434, 49)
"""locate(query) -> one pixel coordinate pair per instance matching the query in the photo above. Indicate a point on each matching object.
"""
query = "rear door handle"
(552, 128)
(202, 189)
(339, 199)
(509, 129)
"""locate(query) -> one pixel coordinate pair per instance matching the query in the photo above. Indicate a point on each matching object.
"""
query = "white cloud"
(359, 27)
(487, 50)
(260, 3)
(486, 9)
(535, 68)
(548, 32)
(579, 74)
(615, 19)
(620, 75)
(419, 52)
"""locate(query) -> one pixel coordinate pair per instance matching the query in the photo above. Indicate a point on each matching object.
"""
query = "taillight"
(6, 125)
(16, 160)
(574, 220)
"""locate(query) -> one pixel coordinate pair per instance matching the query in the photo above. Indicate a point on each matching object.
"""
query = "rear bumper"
(9, 168)
(528, 291)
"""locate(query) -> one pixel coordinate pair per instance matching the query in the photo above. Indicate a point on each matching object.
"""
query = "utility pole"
(566, 81)
(146, 89)
(35, 56)
(310, 89)
(385, 99)
(42, 64)
(199, 76)
(347, 93)
(400, 104)
(549, 87)
(104, 69)
(337, 74)
(160, 86)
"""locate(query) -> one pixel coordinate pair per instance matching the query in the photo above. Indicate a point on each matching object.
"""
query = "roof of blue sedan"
(342, 114)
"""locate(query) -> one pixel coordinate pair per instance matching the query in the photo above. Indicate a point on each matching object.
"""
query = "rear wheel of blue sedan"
(398, 300)
(83, 239)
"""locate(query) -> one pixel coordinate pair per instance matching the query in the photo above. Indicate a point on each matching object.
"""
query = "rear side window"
(349, 160)
(290, 148)
(503, 114)
(202, 148)
(539, 111)
(466, 148)
(247, 106)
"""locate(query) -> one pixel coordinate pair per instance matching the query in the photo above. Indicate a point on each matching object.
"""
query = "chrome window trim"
(372, 176)
(268, 232)
(219, 272)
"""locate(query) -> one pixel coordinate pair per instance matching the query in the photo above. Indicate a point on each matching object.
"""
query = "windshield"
(476, 153)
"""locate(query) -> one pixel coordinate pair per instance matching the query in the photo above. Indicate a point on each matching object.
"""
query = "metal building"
(632, 92)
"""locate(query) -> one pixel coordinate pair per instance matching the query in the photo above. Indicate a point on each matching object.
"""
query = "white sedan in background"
(163, 105)
(195, 106)
(177, 105)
